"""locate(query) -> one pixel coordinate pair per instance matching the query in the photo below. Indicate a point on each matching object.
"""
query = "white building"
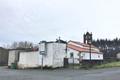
(118, 56)
(77, 52)
(28, 59)
(50, 54)
(13, 57)
(15, 53)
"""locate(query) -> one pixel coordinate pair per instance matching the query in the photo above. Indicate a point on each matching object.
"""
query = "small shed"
(14, 55)
(28, 60)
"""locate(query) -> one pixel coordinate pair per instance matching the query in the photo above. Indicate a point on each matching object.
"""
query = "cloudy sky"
(35, 20)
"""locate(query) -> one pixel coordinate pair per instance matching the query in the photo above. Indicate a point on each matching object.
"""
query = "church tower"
(87, 38)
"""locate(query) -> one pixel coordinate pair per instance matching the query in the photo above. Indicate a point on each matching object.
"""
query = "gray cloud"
(34, 20)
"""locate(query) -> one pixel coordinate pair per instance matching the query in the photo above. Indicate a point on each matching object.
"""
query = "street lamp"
(80, 58)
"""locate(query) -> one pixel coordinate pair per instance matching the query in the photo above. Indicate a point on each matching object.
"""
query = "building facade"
(77, 52)
(14, 55)
(50, 54)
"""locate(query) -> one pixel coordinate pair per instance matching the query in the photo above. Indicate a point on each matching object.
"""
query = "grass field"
(104, 65)
(108, 65)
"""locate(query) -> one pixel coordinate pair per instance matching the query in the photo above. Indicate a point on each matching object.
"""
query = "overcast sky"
(35, 20)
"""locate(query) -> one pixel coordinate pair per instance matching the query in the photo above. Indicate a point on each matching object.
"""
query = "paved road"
(61, 74)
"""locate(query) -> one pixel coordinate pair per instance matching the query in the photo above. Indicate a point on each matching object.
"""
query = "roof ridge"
(83, 44)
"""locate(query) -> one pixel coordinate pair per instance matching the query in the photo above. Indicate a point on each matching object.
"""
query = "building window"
(98, 56)
(83, 54)
(71, 55)
(78, 54)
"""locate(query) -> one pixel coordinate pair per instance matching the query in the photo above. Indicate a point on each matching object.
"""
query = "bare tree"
(22, 44)
(14, 45)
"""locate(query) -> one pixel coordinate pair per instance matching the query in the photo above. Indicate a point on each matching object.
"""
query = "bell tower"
(87, 38)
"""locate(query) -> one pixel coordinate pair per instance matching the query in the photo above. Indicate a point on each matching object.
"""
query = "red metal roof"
(82, 44)
(83, 48)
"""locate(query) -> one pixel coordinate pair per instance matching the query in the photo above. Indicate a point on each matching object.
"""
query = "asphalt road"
(60, 74)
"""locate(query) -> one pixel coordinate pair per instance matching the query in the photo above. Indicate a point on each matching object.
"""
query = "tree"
(14, 45)
(22, 44)
(109, 47)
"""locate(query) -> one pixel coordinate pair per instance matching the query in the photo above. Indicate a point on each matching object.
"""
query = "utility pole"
(41, 53)
(90, 54)
(79, 59)
(42, 62)
(73, 61)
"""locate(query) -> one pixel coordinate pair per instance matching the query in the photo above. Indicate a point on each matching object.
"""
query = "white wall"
(47, 59)
(28, 59)
(83, 55)
(59, 54)
(55, 55)
(11, 57)
(75, 56)
(94, 56)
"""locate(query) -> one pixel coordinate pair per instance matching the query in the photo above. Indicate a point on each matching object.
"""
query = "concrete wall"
(59, 54)
(48, 58)
(11, 58)
(55, 55)
(28, 59)
(14, 56)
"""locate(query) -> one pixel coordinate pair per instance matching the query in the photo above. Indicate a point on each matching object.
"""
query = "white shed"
(77, 51)
(13, 56)
(50, 54)
(28, 59)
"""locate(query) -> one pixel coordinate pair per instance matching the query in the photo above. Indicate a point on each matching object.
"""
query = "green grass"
(104, 65)
(108, 65)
